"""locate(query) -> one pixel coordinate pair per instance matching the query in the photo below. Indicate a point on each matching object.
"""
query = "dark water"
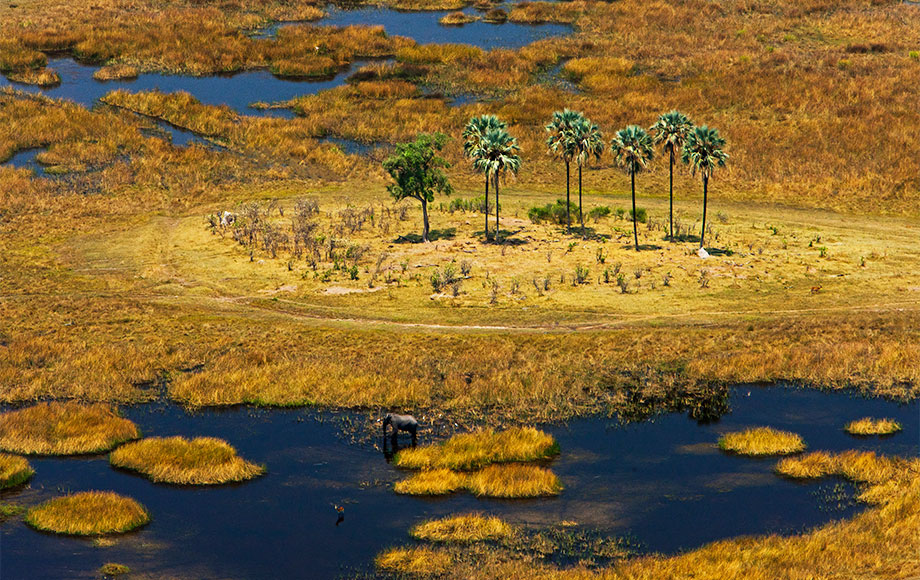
(424, 28)
(25, 159)
(661, 482)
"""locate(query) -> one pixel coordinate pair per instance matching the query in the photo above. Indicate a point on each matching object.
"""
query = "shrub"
(552, 212)
(581, 275)
(641, 215)
(599, 212)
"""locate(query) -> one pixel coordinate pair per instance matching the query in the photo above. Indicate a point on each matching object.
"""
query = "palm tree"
(560, 143)
(671, 130)
(588, 141)
(500, 155)
(703, 153)
(632, 151)
(473, 134)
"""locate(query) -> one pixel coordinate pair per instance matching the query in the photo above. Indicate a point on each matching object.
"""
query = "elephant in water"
(399, 423)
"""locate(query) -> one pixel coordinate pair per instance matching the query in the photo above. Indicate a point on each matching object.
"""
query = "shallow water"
(237, 91)
(424, 28)
(25, 159)
(661, 482)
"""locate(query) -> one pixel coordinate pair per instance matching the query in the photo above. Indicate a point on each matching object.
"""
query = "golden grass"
(64, 429)
(114, 569)
(859, 466)
(414, 561)
(116, 72)
(762, 441)
(457, 19)
(14, 470)
(462, 529)
(506, 481)
(870, 426)
(514, 481)
(43, 77)
(199, 461)
(87, 514)
(474, 450)
(431, 482)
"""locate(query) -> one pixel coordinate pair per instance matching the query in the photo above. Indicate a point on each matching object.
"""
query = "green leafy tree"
(588, 142)
(416, 170)
(473, 135)
(703, 152)
(632, 151)
(501, 156)
(561, 144)
(671, 131)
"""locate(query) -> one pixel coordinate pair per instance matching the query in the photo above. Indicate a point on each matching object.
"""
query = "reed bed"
(43, 77)
(89, 513)
(64, 429)
(198, 461)
(14, 470)
(505, 481)
(462, 529)
(467, 451)
(414, 561)
(762, 441)
(870, 426)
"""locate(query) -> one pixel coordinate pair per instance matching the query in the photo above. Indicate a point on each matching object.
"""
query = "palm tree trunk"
(568, 218)
(671, 194)
(425, 218)
(581, 215)
(635, 227)
(705, 191)
(487, 206)
(497, 231)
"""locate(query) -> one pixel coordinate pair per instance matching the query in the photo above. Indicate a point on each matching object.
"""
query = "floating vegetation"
(9, 510)
(886, 477)
(418, 561)
(64, 429)
(507, 481)
(43, 77)
(762, 441)
(462, 529)
(457, 19)
(88, 513)
(113, 569)
(432, 482)
(199, 461)
(14, 470)
(870, 426)
(480, 448)
(116, 72)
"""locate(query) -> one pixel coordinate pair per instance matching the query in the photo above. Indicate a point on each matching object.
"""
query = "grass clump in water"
(762, 441)
(14, 470)
(457, 19)
(474, 450)
(113, 569)
(199, 461)
(116, 72)
(884, 477)
(870, 426)
(463, 529)
(417, 561)
(43, 77)
(433, 482)
(508, 481)
(87, 514)
(64, 429)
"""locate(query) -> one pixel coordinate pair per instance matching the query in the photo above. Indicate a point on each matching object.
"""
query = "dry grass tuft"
(113, 569)
(116, 72)
(870, 426)
(762, 441)
(416, 561)
(811, 466)
(457, 19)
(478, 449)
(43, 77)
(199, 461)
(87, 514)
(64, 429)
(14, 470)
(514, 481)
(867, 467)
(463, 529)
(507, 481)
(433, 482)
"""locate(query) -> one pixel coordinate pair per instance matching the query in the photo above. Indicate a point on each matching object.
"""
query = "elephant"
(399, 423)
